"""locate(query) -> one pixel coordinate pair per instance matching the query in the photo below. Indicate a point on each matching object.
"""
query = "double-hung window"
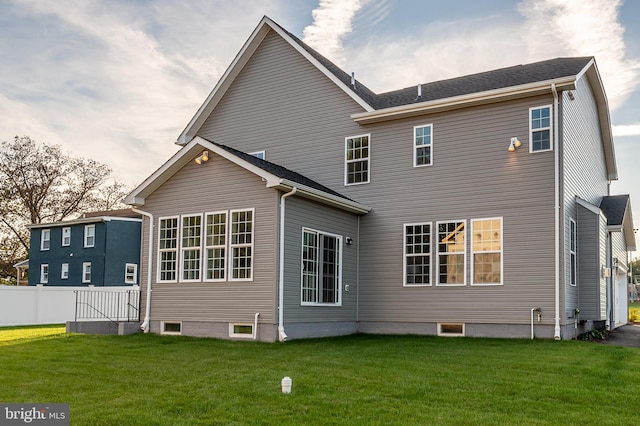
(168, 248)
(321, 268)
(215, 246)
(241, 245)
(131, 273)
(417, 254)
(357, 160)
(190, 247)
(86, 272)
(423, 145)
(540, 134)
(45, 239)
(573, 249)
(486, 251)
(451, 253)
(64, 271)
(66, 236)
(44, 273)
(89, 235)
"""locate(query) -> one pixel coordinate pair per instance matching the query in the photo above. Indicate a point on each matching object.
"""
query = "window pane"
(486, 268)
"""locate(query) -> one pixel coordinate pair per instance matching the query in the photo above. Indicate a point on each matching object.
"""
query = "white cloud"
(331, 23)
(626, 130)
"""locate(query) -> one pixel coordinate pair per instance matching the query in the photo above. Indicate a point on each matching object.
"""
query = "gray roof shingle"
(614, 208)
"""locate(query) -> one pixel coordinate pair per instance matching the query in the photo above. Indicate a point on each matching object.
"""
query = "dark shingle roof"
(473, 83)
(280, 171)
(614, 208)
(127, 213)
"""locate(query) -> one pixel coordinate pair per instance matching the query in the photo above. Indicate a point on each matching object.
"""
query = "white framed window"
(168, 249)
(89, 235)
(423, 145)
(190, 247)
(452, 329)
(540, 133)
(486, 251)
(131, 273)
(258, 154)
(44, 273)
(321, 268)
(417, 254)
(241, 245)
(241, 330)
(86, 272)
(64, 271)
(573, 252)
(356, 167)
(171, 327)
(452, 254)
(45, 239)
(215, 246)
(66, 236)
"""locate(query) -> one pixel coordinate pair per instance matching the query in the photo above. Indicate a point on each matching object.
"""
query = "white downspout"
(556, 330)
(147, 317)
(255, 325)
(281, 334)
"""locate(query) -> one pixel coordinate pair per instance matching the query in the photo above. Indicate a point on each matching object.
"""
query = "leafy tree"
(39, 183)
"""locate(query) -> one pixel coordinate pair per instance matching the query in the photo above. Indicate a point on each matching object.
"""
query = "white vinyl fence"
(39, 304)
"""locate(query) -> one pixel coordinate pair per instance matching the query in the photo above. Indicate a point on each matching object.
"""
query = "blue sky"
(118, 80)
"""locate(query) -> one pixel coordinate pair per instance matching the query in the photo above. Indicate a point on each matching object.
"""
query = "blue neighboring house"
(98, 249)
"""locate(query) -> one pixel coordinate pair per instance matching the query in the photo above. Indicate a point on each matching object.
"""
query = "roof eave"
(463, 101)
(321, 196)
(81, 221)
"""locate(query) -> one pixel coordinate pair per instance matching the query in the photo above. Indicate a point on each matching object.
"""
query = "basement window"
(450, 329)
(168, 327)
(242, 330)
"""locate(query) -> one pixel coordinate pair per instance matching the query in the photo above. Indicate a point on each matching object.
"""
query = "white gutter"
(147, 317)
(556, 329)
(282, 336)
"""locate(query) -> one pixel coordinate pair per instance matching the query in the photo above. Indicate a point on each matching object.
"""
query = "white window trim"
(346, 162)
(64, 268)
(241, 335)
(447, 334)
(258, 153)
(86, 235)
(437, 253)
(182, 250)
(231, 246)
(405, 255)
(84, 273)
(573, 260)
(416, 146)
(160, 251)
(340, 262)
(225, 247)
(171, 333)
(66, 230)
(135, 273)
(501, 251)
(43, 240)
(550, 128)
(44, 273)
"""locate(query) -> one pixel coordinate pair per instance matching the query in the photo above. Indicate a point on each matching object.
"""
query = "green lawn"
(356, 380)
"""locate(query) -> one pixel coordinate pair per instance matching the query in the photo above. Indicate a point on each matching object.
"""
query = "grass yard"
(357, 380)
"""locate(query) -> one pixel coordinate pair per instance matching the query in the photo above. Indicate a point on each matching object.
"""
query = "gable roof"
(617, 210)
(274, 176)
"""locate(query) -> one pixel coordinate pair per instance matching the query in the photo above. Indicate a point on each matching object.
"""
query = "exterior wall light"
(203, 157)
(515, 143)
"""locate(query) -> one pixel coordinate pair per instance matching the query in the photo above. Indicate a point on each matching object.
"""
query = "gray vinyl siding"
(619, 249)
(591, 287)
(584, 172)
(301, 213)
(216, 185)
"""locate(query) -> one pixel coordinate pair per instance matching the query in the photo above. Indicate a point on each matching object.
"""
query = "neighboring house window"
(259, 154)
(215, 246)
(190, 247)
(486, 251)
(573, 248)
(44, 273)
(131, 273)
(89, 235)
(423, 145)
(86, 272)
(168, 247)
(64, 271)
(66, 236)
(321, 268)
(540, 129)
(357, 160)
(45, 239)
(417, 254)
(241, 245)
(451, 253)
